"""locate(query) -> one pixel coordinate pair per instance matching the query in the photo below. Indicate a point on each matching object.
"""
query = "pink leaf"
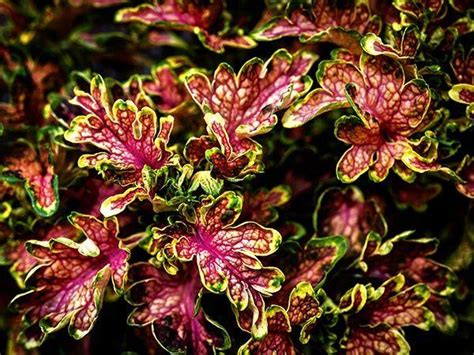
(187, 15)
(226, 255)
(130, 142)
(248, 100)
(313, 24)
(167, 303)
(68, 285)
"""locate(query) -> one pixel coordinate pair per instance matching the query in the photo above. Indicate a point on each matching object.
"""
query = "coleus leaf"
(324, 21)
(377, 88)
(346, 212)
(68, 285)
(133, 146)
(312, 264)
(168, 304)
(261, 206)
(400, 254)
(88, 199)
(466, 171)
(388, 111)
(218, 42)
(247, 101)
(410, 257)
(376, 340)
(187, 15)
(291, 230)
(374, 317)
(35, 168)
(369, 151)
(226, 255)
(303, 310)
(435, 37)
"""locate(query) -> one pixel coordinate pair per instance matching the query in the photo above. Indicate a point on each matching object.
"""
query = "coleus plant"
(69, 283)
(170, 305)
(322, 21)
(209, 21)
(389, 111)
(173, 180)
(409, 256)
(241, 106)
(375, 316)
(134, 143)
(225, 254)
